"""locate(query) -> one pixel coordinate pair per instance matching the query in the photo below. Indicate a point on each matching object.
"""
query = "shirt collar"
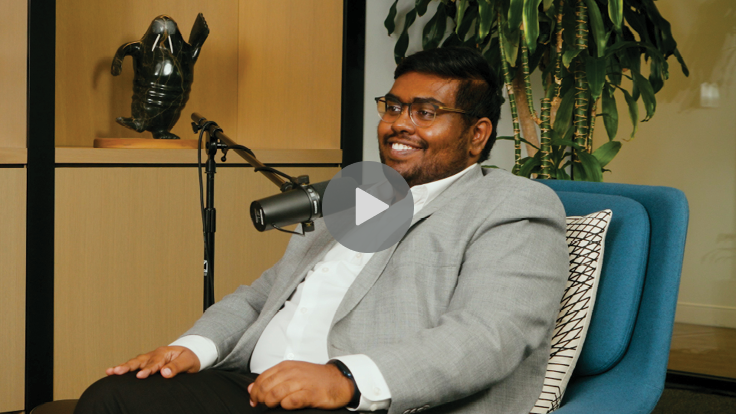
(423, 194)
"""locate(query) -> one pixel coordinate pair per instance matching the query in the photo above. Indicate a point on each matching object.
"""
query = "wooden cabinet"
(128, 249)
(13, 155)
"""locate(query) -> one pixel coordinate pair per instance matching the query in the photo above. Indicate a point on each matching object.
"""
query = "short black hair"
(479, 91)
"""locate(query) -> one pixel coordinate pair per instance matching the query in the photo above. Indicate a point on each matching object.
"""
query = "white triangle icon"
(367, 206)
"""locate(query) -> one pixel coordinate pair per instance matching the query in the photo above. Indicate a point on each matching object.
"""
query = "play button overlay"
(367, 207)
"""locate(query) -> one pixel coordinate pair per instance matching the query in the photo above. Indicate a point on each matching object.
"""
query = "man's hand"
(170, 360)
(296, 384)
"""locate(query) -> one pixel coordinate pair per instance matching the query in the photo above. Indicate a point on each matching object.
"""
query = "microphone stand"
(217, 140)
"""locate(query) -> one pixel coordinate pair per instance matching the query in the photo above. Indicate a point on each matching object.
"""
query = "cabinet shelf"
(84, 155)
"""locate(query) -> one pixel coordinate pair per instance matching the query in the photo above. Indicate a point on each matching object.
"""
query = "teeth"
(401, 147)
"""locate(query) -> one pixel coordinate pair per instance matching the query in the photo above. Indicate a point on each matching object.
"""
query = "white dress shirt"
(299, 330)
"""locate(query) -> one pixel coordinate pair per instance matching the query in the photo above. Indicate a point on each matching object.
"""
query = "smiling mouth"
(403, 149)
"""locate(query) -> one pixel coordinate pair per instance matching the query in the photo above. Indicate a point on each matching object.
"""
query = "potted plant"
(589, 53)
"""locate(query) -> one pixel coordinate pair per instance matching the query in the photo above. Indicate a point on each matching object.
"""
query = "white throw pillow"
(586, 236)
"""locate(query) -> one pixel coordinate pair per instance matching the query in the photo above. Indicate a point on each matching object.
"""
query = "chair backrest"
(624, 360)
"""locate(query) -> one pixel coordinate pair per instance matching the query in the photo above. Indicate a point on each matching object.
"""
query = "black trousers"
(209, 391)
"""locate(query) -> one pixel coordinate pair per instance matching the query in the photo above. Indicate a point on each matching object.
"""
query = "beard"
(434, 164)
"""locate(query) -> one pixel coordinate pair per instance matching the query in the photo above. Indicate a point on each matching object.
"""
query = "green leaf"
(547, 4)
(647, 94)
(531, 162)
(565, 142)
(531, 23)
(654, 53)
(593, 168)
(434, 31)
(597, 27)
(520, 139)
(616, 13)
(462, 5)
(516, 11)
(485, 18)
(511, 46)
(390, 22)
(464, 26)
(610, 112)
(633, 110)
(685, 70)
(562, 174)
(595, 70)
(578, 172)
(563, 119)
(421, 6)
(606, 152)
(569, 54)
(403, 43)
(655, 76)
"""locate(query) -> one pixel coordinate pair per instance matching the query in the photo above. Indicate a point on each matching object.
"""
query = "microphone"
(302, 204)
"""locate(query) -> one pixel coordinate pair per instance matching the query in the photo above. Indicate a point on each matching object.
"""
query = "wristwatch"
(355, 401)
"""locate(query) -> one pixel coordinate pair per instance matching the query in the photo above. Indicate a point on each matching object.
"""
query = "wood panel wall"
(129, 259)
(128, 253)
(290, 59)
(89, 98)
(13, 31)
(269, 73)
(12, 287)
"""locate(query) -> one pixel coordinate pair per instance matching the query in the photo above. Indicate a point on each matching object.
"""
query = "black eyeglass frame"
(437, 107)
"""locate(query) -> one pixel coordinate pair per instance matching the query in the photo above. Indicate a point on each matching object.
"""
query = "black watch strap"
(355, 401)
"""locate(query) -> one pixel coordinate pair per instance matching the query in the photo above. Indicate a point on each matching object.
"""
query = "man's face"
(423, 155)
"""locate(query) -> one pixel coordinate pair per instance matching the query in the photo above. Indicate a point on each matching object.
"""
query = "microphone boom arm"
(213, 130)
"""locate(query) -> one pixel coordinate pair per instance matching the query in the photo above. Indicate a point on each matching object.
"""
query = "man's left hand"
(297, 384)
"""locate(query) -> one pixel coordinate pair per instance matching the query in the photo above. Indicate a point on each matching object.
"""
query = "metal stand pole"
(210, 216)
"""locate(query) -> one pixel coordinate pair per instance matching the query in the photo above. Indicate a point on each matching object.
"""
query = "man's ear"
(481, 131)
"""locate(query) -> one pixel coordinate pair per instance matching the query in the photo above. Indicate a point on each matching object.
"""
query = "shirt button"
(376, 390)
(304, 310)
(374, 407)
(289, 356)
(359, 256)
(325, 269)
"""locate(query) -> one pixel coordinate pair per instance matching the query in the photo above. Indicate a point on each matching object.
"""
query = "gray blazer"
(461, 309)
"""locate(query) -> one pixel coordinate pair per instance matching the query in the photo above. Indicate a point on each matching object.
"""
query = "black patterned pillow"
(586, 238)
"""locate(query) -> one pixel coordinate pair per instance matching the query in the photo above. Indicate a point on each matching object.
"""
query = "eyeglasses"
(422, 114)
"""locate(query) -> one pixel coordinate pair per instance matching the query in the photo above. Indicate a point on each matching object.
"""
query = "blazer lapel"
(370, 273)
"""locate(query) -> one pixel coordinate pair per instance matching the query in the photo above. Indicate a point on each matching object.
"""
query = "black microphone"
(301, 204)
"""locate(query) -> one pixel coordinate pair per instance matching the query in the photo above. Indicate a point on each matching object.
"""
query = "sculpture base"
(137, 143)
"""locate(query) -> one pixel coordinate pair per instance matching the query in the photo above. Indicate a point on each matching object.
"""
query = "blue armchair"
(623, 364)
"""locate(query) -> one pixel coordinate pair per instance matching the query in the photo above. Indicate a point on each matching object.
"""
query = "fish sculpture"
(163, 66)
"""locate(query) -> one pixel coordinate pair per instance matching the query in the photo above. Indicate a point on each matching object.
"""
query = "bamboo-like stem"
(527, 78)
(558, 49)
(581, 25)
(528, 125)
(505, 67)
(546, 139)
(593, 110)
(580, 119)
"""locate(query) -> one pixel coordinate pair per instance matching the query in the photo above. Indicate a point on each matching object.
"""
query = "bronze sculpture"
(164, 70)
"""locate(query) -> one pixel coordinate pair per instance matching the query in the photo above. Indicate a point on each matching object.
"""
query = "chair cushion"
(586, 238)
(621, 281)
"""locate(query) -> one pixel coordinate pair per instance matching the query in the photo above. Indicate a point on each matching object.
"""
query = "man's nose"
(404, 122)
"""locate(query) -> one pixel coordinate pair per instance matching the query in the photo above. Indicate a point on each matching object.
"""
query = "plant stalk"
(527, 78)
(506, 68)
(546, 129)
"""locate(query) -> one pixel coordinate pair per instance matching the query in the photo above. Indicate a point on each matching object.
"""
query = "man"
(457, 317)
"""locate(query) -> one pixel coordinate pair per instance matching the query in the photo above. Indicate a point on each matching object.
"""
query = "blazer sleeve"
(225, 322)
(503, 308)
